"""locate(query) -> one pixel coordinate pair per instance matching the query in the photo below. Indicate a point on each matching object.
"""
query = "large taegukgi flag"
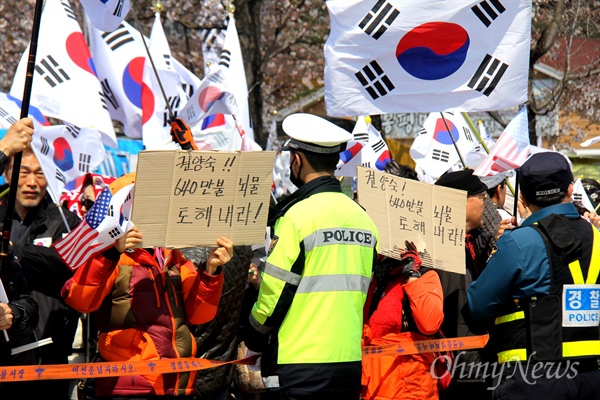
(120, 58)
(414, 56)
(65, 84)
(107, 220)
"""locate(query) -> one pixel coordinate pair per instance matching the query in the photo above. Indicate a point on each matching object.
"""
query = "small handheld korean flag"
(106, 15)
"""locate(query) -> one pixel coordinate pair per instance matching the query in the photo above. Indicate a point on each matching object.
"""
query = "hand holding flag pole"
(12, 194)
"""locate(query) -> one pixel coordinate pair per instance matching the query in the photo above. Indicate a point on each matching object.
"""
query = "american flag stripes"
(511, 149)
(106, 221)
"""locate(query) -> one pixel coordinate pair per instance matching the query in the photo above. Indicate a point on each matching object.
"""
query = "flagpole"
(480, 139)
(453, 141)
(158, 8)
(16, 168)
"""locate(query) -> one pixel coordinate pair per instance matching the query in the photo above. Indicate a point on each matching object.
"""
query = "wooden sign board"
(433, 217)
(191, 198)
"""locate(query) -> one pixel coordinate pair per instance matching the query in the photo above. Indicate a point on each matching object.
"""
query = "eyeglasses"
(481, 196)
(87, 203)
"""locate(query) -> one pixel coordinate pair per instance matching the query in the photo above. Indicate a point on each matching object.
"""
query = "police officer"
(541, 289)
(307, 321)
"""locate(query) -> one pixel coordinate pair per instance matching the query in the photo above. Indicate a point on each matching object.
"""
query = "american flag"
(106, 221)
(511, 150)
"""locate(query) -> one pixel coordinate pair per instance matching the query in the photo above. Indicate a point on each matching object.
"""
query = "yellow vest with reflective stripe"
(316, 280)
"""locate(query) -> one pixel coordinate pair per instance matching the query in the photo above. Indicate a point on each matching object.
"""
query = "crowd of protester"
(305, 307)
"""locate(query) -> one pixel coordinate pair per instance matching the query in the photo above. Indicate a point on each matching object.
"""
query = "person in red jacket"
(144, 300)
(404, 301)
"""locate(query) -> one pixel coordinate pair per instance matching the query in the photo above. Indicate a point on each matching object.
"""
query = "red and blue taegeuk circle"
(79, 53)
(138, 93)
(434, 50)
(209, 96)
(441, 134)
(63, 154)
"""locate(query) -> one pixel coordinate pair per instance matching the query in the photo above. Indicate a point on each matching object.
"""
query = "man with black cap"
(457, 318)
(307, 321)
(541, 289)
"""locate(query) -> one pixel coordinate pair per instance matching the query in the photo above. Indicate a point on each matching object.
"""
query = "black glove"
(411, 260)
(182, 134)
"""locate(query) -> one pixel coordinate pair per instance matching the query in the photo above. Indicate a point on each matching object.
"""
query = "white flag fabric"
(10, 112)
(395, 56)
(579, 194)
(590, 141)
(120, 58)
(156, 129)
(107, 220)
(106, 15)
(511, 149)
(212, 97)
(66, 153)
(367, 148)
(65, 76)
(232, 62)
(434, 150)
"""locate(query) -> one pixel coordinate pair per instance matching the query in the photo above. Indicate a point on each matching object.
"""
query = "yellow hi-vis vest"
(536, 325)
(316, 279)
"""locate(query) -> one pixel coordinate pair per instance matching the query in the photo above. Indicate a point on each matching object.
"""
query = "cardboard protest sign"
(433, 217)
(191, 198)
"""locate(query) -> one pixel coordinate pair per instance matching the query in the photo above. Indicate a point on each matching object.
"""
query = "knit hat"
(462, 180)
(544, 175)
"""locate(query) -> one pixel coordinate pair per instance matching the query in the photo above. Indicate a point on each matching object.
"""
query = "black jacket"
(46, 274)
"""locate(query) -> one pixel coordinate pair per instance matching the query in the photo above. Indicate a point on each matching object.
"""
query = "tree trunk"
(247, 15)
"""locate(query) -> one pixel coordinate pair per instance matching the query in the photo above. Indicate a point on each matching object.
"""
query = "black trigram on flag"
(9, 118)
(378, 146)
(68, 10)
(468, 134)
(225, 59)
(73, 130)
(119, 9)
(51, 71)
(60, 176)
(84, 162)
(488, 10)
(110, 211)
(45, 147)
(118, 37)
(372, 77)
(422, 131)
(577, 197)
(187, 89)
(488, 75)
(107, 95)
(174, 102)
(167, 58)
(379, 19)
(440, 155)
(114, 232)
(361, 137)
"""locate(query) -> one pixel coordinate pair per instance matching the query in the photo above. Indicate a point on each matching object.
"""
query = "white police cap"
(314, 134)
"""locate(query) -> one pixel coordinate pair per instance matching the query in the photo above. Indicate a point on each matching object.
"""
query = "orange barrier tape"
(172, 365)
(407, 346)
(112, 369)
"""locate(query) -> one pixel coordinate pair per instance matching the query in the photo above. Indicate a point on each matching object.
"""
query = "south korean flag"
(395, 56)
